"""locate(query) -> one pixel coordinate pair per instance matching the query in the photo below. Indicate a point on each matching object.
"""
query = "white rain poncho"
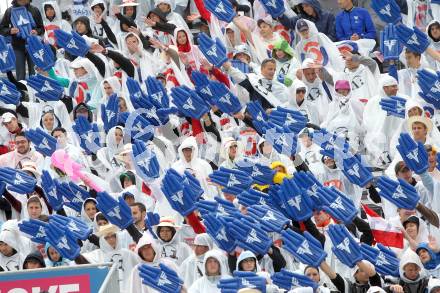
(315, 45)
(307, 108)
(192, 268)
(175, 249)
(124, 259)
(209, 283)
(199, 167)
(379, 127)
(56, 23)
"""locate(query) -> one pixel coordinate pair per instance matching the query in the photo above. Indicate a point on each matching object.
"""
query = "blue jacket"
(356, 21)
(324, 21)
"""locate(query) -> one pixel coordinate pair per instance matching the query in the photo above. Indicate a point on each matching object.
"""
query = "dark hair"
(21, 133)
(416, 54)
(58, 129)
(173, 230)
(267, 61)
(100, 216)
(310, 267)
(140, 205)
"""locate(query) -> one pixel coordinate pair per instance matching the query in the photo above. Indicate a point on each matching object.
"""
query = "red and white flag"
(383, 232)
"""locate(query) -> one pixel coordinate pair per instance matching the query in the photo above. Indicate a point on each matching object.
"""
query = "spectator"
(311, 10)
(353, 23)
(7, 30)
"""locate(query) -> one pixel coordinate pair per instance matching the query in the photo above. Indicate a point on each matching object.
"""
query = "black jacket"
(6, 25)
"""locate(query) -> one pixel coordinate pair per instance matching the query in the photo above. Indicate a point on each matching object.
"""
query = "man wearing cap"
(353, 23)
(110, 251)
(10, 128)
(192, 268)
(311, 10)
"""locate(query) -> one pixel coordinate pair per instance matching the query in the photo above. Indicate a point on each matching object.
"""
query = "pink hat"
(342, 85)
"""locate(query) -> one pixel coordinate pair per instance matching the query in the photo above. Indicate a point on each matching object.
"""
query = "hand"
(239, 116)
(213, 50)
(337, 204)
(116, 9)
(47, 89)
(396, 288)
(414, 39)
(182, 192)
(288, 280)
(232, 181)
(217, 228)
(72, 200)
(355, 37)
(73, 43)
(10, 94)
(147, 165)
(225, 100)
(7, 62)
(109, 112)
(78, 228)
(193, 17)
(151, 220)
(203, 86)
(253, 197)
(413, 153)
(219, 207)
(184, 58)
(96, 48)
(116, 211)
(261, 174)
(156, 43)
(17, 180)
(394, 106)
(222, 9)
(274, 7)
(250, 235)
(62, 240)
(304, 248)
(162, 278)
(259, 116)
(88, 135)
(134, 30)
(384, 259)
(389, 45)
(299, 74)
(189, 102)
(292, 119)
(208, 66)
(270, 220)
(43, 142)
(149, 22)
(298, 205)
(345, 246)
(34, 228)
(309, 185)
(354, 170)
(387, 10)
(14, 31)
(400, 193)
(346, 55)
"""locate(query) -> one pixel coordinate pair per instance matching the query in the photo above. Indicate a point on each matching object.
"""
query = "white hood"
(57, 9)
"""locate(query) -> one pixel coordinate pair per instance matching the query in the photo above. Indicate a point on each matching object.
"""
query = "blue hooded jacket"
(324, 21)
(355, 21)
(435, 257)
